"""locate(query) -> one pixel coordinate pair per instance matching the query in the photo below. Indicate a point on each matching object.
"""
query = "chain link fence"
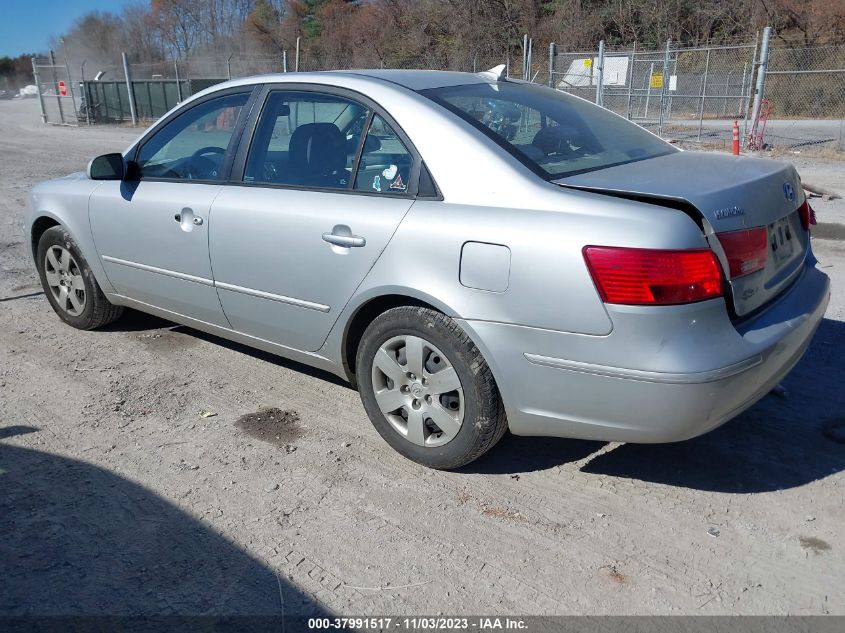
(689, 94)
(102, 91)
(56, 92)
(695, 94)
(806, 90)
(671, 91)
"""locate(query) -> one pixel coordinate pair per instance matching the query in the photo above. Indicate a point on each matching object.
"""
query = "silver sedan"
(475, 254)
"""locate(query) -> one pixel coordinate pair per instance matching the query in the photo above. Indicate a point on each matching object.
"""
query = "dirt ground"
(152, 469)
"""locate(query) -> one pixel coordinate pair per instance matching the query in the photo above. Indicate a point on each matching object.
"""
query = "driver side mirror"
(107, 167)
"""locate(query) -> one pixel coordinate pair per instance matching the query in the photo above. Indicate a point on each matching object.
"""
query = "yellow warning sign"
(588, 63)
(656, 80)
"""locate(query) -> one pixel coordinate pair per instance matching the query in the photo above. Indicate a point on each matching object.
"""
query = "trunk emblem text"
(729, 212)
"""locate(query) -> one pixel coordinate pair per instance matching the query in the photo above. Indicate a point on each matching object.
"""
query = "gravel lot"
(152, 469)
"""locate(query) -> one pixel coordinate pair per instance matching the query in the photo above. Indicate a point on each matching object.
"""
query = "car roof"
(419, 79)
(409, 79)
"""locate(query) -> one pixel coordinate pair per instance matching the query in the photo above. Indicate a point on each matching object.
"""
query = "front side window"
(555, 134)
(192, 146)
(306, 139)
(385, 165)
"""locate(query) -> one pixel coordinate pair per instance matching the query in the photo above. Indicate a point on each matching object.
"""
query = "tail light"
(746, 250)
(638, 276)
(807, 215)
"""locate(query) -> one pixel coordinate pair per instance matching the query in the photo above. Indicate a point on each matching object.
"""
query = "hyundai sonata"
(475, 254)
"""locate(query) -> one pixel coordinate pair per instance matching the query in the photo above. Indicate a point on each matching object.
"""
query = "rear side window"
(192, 146)
(306, 139)
(555, 134)
(386, 163)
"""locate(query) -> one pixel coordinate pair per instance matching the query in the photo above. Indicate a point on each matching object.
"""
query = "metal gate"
(56, 92)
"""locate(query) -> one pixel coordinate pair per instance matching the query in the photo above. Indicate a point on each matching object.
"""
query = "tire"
(403, 338)
(78, 299)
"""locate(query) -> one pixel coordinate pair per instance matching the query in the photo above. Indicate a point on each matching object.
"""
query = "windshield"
(553, 133)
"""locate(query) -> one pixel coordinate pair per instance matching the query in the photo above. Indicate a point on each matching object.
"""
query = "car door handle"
(341, 235)
(347, 241)
(186, 219)
(197, 219)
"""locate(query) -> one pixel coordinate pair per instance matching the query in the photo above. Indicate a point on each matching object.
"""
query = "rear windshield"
(553, 133)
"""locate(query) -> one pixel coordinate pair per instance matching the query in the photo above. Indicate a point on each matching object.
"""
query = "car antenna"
(497, 73)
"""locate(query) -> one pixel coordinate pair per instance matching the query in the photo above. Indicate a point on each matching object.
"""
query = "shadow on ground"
(81, 541)
(135, 321)
(779, 443)
(516, 454)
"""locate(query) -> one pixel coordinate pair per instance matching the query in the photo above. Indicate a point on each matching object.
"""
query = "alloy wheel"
(64, 278)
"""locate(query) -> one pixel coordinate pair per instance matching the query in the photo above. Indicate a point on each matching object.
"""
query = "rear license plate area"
(781, 241)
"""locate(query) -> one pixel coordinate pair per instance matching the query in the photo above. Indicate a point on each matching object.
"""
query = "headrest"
(318, 147)
(556, 139)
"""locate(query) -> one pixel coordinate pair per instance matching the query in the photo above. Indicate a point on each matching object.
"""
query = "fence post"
(178, 82)
(669, 93)
(631, 82)
(530, 59)
(56, 86)
(600, 78)
(703, 95)
(38, 87)
(86, 94)
(761, 77)
(747, 98)
(296, 59)
(663, 88)
(229, 66)
(524, 56)
(129, 89)
(284, 61)
(551, 65)
(648, 93)
(70, 88)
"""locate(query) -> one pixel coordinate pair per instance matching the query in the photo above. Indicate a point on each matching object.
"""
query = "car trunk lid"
(728, 194)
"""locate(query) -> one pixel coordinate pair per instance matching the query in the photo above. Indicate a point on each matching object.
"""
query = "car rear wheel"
(427, 389)
(69, 283)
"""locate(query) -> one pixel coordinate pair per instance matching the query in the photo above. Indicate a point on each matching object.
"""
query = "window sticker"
(377, 183)
(390, 172)
(398, 184)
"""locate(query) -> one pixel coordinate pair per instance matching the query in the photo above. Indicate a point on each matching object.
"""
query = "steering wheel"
(200, 167)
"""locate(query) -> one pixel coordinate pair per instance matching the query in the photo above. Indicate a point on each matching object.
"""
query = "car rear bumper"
(662, 375)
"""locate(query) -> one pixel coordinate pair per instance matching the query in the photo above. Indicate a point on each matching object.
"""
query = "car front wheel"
(69, 284)
(427, 389)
